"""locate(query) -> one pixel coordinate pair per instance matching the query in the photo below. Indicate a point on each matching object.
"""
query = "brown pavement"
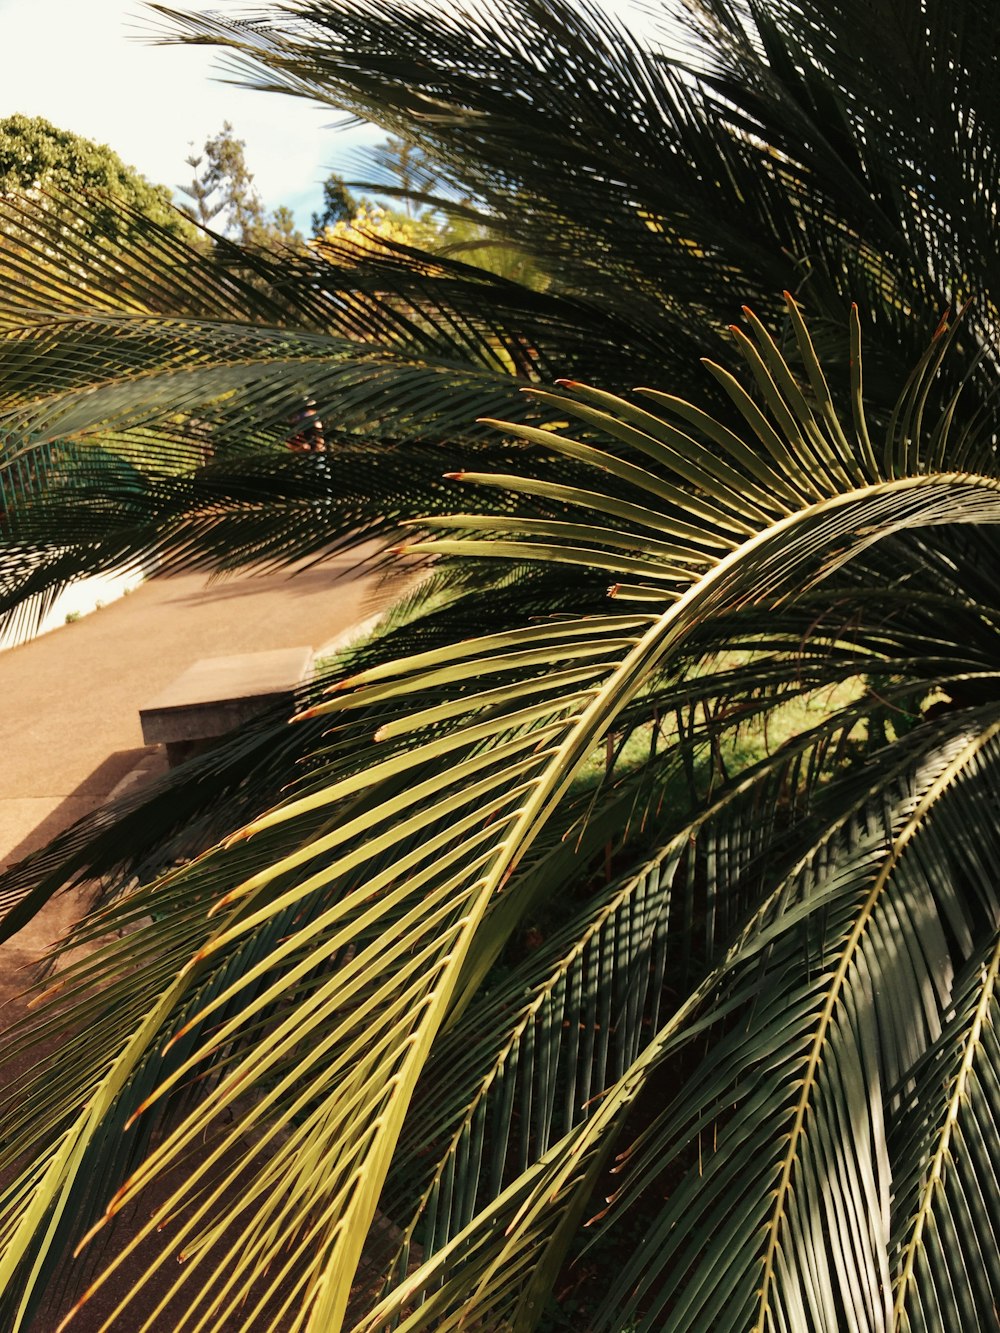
(69, 718)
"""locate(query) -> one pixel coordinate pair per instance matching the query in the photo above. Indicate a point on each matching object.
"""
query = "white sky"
(78, 64)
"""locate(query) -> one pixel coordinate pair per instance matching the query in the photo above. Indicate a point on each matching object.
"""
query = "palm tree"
(673, 914)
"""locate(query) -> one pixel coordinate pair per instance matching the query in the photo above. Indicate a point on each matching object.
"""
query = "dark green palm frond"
(718, 1125)
(813, 1243)
(686, 213)
(113, 466)
(920, 143)
(945, 1199)
(751, 166)
(145, 419)
(758, 158)
(529, 1059)
(397, 297)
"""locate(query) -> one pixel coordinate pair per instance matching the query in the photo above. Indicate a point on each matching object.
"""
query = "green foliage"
(434, 218)
(339, 205)
(553, 909)
(410, 172)
(475, 242)
(35, 155)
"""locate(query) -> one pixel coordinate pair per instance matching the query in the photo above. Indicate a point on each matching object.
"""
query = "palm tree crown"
(619, 962)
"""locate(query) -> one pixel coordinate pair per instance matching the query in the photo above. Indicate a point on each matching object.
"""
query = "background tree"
(409, 172)
(453, 226)
(567, 898)
(37, 156)
(224, 197)
(339, 205)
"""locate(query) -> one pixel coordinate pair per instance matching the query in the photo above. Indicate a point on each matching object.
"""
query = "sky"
(79, 64)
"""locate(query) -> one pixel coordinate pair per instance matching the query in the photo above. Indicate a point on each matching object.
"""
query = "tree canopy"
(36, 155)
(339, 204)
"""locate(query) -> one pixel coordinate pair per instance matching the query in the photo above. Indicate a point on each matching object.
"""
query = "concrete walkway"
(69, 719)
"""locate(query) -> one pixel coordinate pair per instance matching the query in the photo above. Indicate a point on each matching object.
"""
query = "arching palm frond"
(682, 902)
(321, 957)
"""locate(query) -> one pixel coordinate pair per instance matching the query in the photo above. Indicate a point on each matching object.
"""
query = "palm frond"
(945, 1199)
(654, 178)
(316, 955)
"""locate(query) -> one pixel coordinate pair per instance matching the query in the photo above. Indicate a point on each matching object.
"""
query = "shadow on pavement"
(83, 798)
